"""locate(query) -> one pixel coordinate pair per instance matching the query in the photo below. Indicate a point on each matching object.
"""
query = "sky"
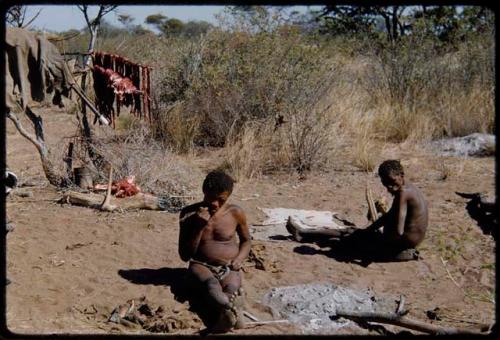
(62, 18)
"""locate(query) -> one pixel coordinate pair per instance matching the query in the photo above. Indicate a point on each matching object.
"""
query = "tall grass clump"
(425, 90)
(227, 80)
(230, 77)
(156, 168)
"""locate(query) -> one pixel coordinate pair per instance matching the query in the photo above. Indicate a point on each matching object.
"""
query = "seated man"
(207, 239)
(404, 224)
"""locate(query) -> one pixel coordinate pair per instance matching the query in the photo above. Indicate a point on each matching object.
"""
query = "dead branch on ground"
(402, 321)
(139, 201)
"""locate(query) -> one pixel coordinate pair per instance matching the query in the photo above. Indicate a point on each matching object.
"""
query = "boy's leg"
(210, 282)
(231, 283)
(231, 317)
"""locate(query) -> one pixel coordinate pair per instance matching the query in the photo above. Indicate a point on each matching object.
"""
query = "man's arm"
(190, 232)
(402, 210)
(380, 222)
(245, 240)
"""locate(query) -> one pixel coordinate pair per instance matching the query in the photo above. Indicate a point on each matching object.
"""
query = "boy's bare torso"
(218, 243)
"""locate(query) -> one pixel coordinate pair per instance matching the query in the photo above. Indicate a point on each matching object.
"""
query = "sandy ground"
(71, 266)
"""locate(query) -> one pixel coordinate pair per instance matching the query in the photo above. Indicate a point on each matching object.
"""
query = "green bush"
(229, 78)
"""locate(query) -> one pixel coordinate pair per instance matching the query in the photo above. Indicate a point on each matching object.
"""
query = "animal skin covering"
(277, 218)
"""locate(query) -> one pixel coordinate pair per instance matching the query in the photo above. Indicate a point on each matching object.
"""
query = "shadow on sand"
(483, 212)
(357, 249)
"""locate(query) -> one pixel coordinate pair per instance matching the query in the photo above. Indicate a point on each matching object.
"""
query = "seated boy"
(404, 224)
(207, 239)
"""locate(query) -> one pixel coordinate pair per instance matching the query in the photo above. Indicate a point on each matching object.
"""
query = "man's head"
(217, 187)
(392, 175)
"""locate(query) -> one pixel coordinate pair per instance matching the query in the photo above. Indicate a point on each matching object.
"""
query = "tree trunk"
(38, 141)
(93, 38)
(394, 23)
(387, 21)
(86, 130)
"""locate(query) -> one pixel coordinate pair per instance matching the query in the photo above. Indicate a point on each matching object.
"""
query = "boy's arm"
(190, 233)
(245, 240)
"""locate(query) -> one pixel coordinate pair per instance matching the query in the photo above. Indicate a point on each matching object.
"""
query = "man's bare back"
(409, 206)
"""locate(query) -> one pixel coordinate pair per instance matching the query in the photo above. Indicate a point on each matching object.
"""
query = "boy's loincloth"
(220, 271)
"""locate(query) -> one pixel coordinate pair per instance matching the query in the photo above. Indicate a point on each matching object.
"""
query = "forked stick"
(372, 210)
(106, 205)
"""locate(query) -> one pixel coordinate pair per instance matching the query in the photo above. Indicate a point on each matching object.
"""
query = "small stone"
(24, 194)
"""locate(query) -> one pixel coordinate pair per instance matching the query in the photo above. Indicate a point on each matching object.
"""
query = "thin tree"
(93, 25)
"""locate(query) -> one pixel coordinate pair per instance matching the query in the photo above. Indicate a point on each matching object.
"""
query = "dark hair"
(217, 182)
(389, 167)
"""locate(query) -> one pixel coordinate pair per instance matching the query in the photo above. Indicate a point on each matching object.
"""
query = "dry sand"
(71, 266)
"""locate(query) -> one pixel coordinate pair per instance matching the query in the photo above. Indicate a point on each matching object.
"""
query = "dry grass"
(177, 128)
(337, 96)
(244, 158)
(155, 167)
(364, 153)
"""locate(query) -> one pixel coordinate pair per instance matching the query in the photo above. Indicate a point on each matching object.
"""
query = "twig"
(449, 274)
(250, 316)
(259, 323)
(480, 324)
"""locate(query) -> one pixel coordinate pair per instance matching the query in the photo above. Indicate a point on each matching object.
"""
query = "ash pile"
(313, 307)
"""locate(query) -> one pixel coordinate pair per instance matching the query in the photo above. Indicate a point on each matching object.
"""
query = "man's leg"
(400, 250)
(314, 234)
(360, 244)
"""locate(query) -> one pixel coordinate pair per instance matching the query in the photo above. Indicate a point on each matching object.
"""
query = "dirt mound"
(262, 259)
